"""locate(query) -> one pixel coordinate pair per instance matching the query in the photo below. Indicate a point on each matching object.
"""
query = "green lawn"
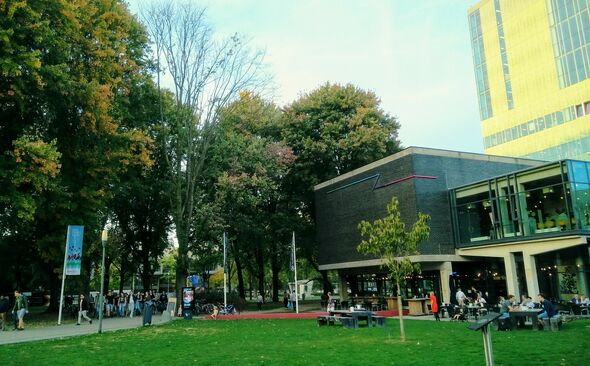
(301, 342)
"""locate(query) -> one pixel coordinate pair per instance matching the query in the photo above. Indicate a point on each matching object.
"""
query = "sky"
(415, 55)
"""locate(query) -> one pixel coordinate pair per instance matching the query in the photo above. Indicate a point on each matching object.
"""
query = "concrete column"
(511, 279)
(445, 271)
(530, 272)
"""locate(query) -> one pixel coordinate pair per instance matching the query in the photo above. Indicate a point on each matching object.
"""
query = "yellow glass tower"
(532, 71)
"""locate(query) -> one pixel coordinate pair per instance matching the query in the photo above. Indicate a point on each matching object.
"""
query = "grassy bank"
(301, 342)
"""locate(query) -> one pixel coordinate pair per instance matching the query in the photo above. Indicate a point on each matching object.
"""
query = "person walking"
(330, 300)
(148, 306)
(434, 306)
(83, 310)
(20, 308)
(285, 299)
(4, 307)
(259, 301)
(131, 305)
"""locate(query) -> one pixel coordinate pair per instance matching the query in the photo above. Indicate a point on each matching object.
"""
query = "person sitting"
(506, 306)
(459, 315)
(584, 300)
(548, 311)
(480, 301)
(575, 299)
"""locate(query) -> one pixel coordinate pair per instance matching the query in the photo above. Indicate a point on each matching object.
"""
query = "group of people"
(525, 303)
(580, 300)
(289, 299)
(128, 304)
(122, 304)
(19, 309)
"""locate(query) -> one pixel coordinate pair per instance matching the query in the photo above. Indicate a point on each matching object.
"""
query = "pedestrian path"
(71, 330)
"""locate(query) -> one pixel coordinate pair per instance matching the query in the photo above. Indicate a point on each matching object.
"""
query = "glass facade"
(545, 200)
(479, 63)
(577, 149)
(505, 68)
(569, 21)
(542, 123)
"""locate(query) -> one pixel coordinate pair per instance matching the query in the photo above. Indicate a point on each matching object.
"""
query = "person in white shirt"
(460, 296)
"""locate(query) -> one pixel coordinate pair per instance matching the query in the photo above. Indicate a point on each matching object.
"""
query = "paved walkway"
(71, 330)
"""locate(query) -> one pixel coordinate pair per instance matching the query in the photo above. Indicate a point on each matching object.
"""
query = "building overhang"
(531, 247)
(427, 258)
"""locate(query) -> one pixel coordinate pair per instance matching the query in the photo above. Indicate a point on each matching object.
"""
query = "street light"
(104, 238)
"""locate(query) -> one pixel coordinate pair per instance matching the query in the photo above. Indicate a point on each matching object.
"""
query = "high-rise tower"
(532, 71)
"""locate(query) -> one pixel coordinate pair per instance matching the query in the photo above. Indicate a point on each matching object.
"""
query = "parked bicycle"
(228, 309)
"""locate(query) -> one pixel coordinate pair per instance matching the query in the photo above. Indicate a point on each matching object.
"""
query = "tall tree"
(63, 64)
(248, 164)
(388, 239)
(207, 73)
(332, 130)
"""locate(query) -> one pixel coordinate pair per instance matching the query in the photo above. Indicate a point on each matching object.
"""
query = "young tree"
(207, 73)
(387, 238)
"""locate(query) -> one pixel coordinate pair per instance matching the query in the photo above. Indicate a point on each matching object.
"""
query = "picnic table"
(357, 314)
(526, 313)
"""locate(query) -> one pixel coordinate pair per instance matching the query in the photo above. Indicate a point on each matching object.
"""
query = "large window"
(545, 200)
(569, 21)
(503, 56)
(479, 63)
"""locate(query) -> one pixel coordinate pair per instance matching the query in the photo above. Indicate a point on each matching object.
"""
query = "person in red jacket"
(434, 306)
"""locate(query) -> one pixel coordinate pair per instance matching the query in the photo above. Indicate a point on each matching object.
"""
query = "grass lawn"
(301, 342)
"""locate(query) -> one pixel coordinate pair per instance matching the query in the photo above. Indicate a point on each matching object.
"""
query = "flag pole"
(63, 279)
(295, 268)
(224, 270)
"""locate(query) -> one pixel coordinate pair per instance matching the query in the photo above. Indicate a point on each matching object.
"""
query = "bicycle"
(228, 309)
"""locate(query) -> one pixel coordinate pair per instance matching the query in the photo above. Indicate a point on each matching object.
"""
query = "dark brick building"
(420, 178)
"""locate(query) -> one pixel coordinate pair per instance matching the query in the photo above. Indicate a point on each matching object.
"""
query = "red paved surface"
(388, 313)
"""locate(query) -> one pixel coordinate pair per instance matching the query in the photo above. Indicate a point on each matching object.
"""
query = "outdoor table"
(531, 313)
(417, 306)
(475, 310)
(358, 314)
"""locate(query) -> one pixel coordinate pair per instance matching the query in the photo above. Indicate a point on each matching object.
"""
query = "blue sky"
(414, 54)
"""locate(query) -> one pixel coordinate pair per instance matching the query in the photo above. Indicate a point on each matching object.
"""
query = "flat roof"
(415, 150)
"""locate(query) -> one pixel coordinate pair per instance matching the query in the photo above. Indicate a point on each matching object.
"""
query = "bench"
(556, 323)
(349, 322)
(379, 320)
(326, 320)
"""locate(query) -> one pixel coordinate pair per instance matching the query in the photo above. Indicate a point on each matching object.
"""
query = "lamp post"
(101, 306)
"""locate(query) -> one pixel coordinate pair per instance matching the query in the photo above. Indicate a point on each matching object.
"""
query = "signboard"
(74, 250)
(188, 295)
(484, 321)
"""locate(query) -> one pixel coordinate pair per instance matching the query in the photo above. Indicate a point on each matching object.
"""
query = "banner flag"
(74, 250)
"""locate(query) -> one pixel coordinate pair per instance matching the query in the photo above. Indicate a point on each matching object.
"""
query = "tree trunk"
(402, 332)
(260, 270)
(54, 291)
(274, 266)
(241, 289)
(182, 261)
(121, 279)
(327, 285)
